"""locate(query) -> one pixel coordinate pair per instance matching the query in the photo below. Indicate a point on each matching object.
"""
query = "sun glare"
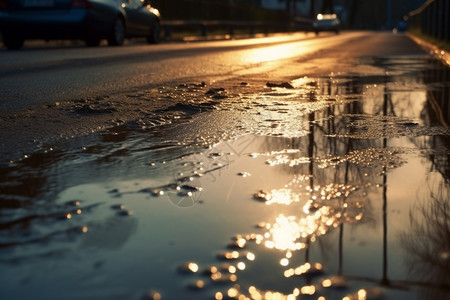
(273, 53)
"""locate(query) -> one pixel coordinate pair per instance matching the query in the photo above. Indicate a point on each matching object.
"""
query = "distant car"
(326, 22)
(88, 20)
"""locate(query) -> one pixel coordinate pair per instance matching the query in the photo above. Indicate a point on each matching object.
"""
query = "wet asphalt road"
(42, 86)
(287, 167)
(41, 74)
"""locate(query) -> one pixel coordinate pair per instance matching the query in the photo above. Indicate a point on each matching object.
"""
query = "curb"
(440, 54)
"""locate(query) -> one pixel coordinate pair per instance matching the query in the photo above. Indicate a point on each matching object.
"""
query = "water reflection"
(330, 172)
(427, 242)
(362, 143)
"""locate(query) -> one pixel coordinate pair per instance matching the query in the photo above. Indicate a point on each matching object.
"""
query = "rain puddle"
(323, 188)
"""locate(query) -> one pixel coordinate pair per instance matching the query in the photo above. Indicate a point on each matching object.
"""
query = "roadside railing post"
(251, 30)
(203, 30)
(167, 31)
(231, 30)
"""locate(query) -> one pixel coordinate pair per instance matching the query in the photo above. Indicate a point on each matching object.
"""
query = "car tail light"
(79, 4)
(3, 4)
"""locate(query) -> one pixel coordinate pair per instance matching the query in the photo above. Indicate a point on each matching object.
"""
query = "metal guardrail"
(432, 19)
(207, 27)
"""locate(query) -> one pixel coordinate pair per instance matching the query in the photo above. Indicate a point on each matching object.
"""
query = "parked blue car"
(88, 20)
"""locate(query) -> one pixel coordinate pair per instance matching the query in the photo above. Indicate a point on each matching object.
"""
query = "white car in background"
(326, 22)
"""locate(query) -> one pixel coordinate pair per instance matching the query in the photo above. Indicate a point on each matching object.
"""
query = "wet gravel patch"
(34, 128)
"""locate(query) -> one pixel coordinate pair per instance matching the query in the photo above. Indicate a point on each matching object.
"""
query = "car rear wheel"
(117, 36)
(153, 37)
(12, 42)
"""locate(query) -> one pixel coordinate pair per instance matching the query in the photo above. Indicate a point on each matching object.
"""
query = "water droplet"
(157, 192)
(261, 225)
(337, 282)
(65, 216)
(244, 174)
(227, 268)
(251, 237)
(118, 206)
(219, 277)
(211, 270)
(184, 194)
(189, 267)
(262, 196)
(238, 243)
(367, 293)
(73, 203)
(250, 256)
(228, 255)
(284, 262)
(197, 285)
(308, 290)
(124, 213)
(241, 265)
(152, 295)
(305, 269)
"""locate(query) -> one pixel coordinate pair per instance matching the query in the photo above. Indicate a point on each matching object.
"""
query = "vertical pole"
(446, 21)
(384, 279)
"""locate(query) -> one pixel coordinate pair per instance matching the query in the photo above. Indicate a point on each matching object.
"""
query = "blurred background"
(354, 14)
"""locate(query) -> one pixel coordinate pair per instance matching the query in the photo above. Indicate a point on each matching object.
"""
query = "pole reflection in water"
(384, 279)
(374, 141)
